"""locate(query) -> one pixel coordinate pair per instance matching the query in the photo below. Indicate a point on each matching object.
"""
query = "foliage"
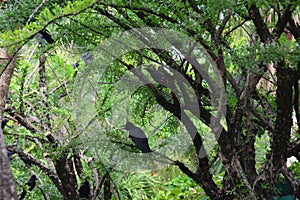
(67, 110)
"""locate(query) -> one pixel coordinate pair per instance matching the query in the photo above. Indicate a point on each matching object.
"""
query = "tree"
(254, 46)
(7, 184)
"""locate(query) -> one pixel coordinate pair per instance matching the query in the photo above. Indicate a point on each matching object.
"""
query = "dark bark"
(259, 23)
(284, 121)
(247, 149)
(296, 101)
(107, 188)
(7, 184)
(281, 135)
(67, 178)
(294, 28)
(77, 163)
(283, 20)
(45, 110)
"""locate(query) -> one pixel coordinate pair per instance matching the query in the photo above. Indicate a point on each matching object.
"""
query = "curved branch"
(51, 174)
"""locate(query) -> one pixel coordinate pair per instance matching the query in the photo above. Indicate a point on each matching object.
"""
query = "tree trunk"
(7, 184)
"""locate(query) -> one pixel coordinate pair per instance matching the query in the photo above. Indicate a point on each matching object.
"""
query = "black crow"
(84, 190)
(31, 184)
(75, 65)
(4, 123)
(44, 35)
(138, 137)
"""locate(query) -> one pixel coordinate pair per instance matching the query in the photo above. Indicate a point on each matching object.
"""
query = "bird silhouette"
(31, 184)
(75, 65)
(138, 137)
(4, 123)
(84, 190)
(45, 35)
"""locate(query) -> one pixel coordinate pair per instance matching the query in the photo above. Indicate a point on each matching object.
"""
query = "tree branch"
(283, 20)
(258, 21)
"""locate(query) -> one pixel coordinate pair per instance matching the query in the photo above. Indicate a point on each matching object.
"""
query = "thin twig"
(35, 11)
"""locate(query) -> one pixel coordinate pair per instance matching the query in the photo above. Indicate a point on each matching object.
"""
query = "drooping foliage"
(213, 84)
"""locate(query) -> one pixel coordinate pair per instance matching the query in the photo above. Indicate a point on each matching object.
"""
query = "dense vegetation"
(214, 85)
